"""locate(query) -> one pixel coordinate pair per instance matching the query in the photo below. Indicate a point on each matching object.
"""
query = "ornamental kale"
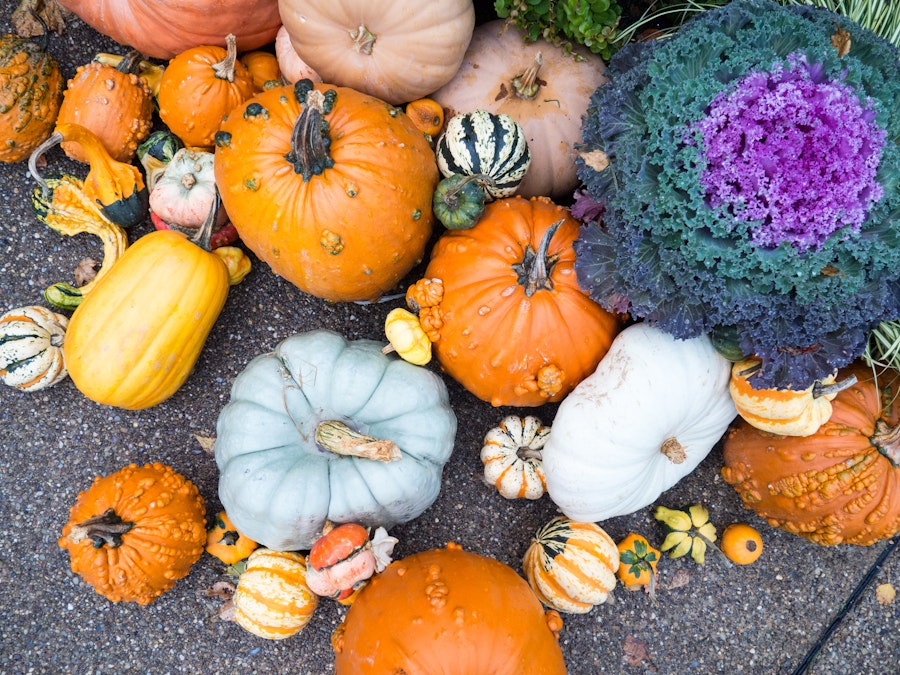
(750, 174)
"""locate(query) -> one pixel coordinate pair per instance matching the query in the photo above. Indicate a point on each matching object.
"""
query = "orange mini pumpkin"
(741, 543)
(840, 485)
(226, 543)
(448, 612)
(512, 324)
(330, 187)
(199, 88)
(637, 563)
(134, 533)
(427, 114)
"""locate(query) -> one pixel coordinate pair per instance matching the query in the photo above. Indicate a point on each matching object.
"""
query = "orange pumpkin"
(512, 324)
(134, 533)
(263, 67)
(637, 563)
(427, 114)
(838, 485)
(741, 543)
(448, 612)
(112, 102)
(226, 543)
(164, 28)
(199, 88)
(332, 188)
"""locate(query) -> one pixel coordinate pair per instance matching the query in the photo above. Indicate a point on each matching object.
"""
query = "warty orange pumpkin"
(330, 187)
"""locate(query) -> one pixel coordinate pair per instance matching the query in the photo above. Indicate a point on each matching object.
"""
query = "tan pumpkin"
(113, 103)
(392, 53)
(788, 412)
(541, 87)
(164, 28)
(292, 67)
(31, 90)
(571, 566)
(272, 599)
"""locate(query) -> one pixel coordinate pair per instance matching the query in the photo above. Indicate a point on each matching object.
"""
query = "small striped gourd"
(511, 455)
(271, 599)
(31, 340)
(571, 566)
(482, 143)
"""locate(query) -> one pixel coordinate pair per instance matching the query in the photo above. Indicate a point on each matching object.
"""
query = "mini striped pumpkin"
(31, 340)
(571, 566)
(480, 142)
(271, 599)
(511, 455)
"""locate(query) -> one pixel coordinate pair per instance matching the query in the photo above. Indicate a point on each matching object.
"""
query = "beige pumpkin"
(571, 566)
(272, 599)
(397, 54)
(541, 87)
(292, 67)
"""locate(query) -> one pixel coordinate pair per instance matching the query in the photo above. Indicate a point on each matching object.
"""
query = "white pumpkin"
(512, 457)
(185, 192)
(648, 415)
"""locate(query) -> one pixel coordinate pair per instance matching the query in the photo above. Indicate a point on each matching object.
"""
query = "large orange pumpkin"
(164, 28)
(331, 187)
(448, 612)
(840, 485)
(509, 320)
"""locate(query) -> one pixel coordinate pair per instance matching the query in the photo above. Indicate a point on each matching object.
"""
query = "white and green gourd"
(31, 340)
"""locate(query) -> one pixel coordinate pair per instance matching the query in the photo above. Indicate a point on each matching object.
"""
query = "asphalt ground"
(768, 617)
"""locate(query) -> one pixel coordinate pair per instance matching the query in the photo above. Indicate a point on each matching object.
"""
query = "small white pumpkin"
(186, 191)
(648, 415)
(31, 340)
(512, 457)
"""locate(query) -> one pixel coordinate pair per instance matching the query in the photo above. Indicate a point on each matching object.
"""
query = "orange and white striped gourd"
(511, 455)
(571, 566)
(31, 339)
(786, 412)
(271, 599)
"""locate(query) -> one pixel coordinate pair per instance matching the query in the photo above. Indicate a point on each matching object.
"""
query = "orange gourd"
(112, 102)
(741, 543)
(637, 563)
(263, 67)
(840, 485)
(512, 325)
(330, 187)
(164, 28)
(448, 612)
(133, 533)
(427, 114)
(225, 542)
(199, 88)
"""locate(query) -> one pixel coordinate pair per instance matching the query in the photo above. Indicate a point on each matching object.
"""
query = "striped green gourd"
(482, 143)
(31, 340)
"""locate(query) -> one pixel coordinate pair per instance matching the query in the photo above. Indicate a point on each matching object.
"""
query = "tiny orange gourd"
(741, 543)
(263, 67)
(225, 542)
(637, 563)
(427, 114)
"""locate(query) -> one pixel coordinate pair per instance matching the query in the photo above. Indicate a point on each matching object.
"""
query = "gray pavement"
(763, 618)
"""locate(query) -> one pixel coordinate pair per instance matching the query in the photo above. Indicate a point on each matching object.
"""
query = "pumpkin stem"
(527, 85)
(750, 370)
(363, 40)
(820, 389)
(710, 544)
(525, 453)
(309, 137)
(673, 450)
(106, 529)
(887, 440)
(450, 197)
(130, 63)
(45, 35)
(224, 69)
(53, 139)
(535, 269)
(340, 439)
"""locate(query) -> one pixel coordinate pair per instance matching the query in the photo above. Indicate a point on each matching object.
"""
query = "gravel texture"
(763, 618)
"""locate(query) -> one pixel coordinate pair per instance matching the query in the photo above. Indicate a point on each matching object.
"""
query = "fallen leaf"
(227, 611)
(841, 41)
(86, 271)
(679, 579)
(50, 12)
(885, 594)
(220, 589)
(635, 653)
(595, 159)
(207, 443)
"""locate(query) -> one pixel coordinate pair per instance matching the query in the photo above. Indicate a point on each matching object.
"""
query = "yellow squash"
(135, 339)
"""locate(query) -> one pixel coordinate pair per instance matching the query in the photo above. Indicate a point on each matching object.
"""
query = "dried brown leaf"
(679, 579)
(885, 594)
(595, 159)
(86, 271)
(841, 41)
(635, 653)
(207, 443)
(51, 13)
(220, 589)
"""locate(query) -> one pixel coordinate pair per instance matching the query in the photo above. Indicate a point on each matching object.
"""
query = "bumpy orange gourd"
(114, 103)
(199, 88)
(448, 612)
(330, 187)
(512, 325)
(571, 566)
(135, 339)
(788, 412)
(840, 485)
(134, 533)
(164, 28)
(31, 90)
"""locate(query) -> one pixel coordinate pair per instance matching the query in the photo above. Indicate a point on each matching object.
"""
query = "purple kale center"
(793, 154)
